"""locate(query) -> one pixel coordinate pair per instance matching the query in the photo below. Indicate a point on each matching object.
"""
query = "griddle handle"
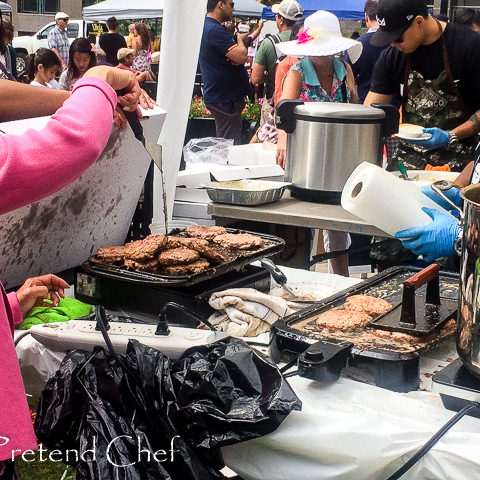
(163, 322)
(429, 276)
(421, 278)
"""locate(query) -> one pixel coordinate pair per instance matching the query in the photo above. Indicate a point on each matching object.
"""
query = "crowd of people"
(61, 64)
(426, 66)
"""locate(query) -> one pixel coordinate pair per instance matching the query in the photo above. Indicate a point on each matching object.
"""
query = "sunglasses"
(64, 19)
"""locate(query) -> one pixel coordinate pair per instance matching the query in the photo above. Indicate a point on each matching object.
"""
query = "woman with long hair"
(142, 46)
(81, 58)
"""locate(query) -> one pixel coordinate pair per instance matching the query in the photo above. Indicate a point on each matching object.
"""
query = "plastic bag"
(120, 418)
(207, 150)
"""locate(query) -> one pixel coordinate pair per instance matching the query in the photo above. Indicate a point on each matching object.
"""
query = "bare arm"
(238, 54)
(19, 100)
(256, 32)
(62, 61)
(373, 97)
(258, 74)
(470, 127)
(351, 84)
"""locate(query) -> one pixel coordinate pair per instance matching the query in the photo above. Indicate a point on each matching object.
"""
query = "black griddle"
(237, 261)
(393, 364)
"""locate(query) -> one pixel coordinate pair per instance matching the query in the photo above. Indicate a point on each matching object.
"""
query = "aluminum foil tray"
(245, 192)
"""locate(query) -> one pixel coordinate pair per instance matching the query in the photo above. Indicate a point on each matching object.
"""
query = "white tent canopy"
(128, 10)
(124, 10)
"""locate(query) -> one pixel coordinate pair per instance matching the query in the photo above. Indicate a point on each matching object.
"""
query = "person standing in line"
(143, 48)
(111, 42)
(9, 33)
(125, 58)
(82, 58)
(222, 63)
(131, 35)
(264, 67)
(58, 40)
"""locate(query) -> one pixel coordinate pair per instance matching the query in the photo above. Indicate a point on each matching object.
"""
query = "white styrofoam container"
(427, 177)
(251, 154)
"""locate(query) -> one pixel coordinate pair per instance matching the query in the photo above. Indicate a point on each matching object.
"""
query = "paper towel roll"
(381, 199)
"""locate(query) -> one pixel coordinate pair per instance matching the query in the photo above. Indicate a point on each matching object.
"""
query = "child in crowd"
(42, 67)
(81, 58)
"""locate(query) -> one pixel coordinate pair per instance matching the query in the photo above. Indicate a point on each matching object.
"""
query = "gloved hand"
(438, 139)
(434, 240)
(453, 194)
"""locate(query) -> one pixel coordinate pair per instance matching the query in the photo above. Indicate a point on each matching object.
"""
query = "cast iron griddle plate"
(236, 260)
(388, 286)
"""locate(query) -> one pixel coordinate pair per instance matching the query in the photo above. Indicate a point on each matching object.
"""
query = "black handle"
(324, 361)
(284, 114)
(392, 118)
(274, 271)
(133, 121)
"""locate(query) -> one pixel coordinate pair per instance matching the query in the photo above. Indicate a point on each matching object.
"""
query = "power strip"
(81, 334)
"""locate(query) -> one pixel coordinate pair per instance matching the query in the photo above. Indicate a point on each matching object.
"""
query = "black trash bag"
(117, 416)
(228, 393)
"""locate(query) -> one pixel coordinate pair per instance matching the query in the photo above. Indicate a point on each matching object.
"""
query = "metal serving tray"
(238, 259)
(245, 192)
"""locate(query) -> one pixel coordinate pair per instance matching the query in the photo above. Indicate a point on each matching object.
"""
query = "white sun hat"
(321, 37)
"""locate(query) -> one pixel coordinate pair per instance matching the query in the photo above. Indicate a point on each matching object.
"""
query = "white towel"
(246, 312)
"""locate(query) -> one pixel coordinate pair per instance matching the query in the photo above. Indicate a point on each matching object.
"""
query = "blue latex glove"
(434, 240)
(438, 139)
(453, 194)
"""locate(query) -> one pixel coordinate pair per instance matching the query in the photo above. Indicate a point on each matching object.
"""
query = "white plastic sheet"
(349, 430)
(181, 36)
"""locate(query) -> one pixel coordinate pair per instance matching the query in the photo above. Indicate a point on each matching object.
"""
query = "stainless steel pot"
(326, 141)
(468, 319)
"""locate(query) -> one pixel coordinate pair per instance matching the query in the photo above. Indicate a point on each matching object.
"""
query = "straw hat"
(321, 37)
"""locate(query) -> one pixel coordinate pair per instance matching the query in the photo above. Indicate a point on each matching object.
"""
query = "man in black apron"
(436, 69)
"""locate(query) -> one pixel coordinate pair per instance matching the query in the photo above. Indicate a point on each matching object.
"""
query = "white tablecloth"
(346, 430)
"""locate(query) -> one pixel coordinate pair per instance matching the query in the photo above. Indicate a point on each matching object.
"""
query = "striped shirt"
(57, 38)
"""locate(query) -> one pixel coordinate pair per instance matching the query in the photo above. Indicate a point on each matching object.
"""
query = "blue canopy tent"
(344, 9)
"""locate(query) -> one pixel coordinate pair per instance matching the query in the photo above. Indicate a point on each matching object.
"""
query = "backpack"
(270, 83)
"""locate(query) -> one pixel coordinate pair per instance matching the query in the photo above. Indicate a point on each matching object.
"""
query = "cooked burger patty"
(202, 231)
(195, 267)
(372, 306)
(137, 251)
(110, 255)
(154, 243)
(239, 241)
(175, 242)
(343, 320)
(177, 256)
(150, 265)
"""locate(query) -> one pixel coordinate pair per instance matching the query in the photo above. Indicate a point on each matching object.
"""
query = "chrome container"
(468, 319)
(326, 141)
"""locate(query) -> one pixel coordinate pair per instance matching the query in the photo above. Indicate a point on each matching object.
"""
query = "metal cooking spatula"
(277, 275)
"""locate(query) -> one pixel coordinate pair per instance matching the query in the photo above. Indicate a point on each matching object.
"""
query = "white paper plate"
(423, 136)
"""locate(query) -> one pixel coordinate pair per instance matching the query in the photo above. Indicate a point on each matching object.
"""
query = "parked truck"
(25, 45)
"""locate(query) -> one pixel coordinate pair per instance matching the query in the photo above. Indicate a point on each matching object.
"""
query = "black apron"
(433, 103)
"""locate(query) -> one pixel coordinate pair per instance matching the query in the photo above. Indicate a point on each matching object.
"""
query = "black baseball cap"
(394, 17)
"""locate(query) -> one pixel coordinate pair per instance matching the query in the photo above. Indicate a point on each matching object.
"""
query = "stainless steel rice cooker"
(327, 140)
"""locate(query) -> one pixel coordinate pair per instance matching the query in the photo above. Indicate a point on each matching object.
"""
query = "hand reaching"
(36, 289)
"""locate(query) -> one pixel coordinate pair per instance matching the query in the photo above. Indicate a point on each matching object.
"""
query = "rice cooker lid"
(338, 113)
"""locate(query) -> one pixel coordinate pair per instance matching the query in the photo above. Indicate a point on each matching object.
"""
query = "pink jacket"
(32, 166)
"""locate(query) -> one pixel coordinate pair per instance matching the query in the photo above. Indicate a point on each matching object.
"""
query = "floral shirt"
(312, 91)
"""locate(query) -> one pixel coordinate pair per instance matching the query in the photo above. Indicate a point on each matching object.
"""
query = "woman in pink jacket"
(32, 166)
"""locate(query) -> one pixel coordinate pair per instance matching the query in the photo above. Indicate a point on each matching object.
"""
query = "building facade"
(30, 15)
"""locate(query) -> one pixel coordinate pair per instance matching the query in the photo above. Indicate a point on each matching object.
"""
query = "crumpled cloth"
(246, 312)
(67, 309)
